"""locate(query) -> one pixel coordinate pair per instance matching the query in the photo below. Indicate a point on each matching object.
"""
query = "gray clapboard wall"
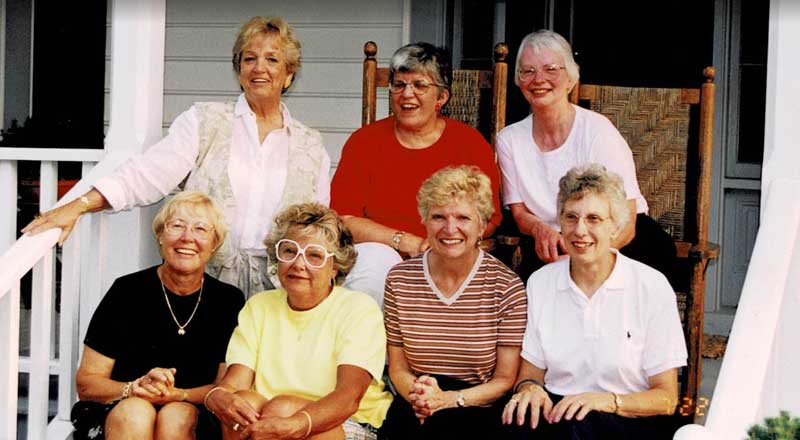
(327, 92)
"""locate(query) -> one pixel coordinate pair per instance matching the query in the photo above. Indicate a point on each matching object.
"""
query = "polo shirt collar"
(615, 281)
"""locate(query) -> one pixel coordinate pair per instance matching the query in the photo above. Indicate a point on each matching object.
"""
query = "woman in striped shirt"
(454, 316)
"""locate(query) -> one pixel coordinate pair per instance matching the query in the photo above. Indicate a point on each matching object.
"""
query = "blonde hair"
(453, 182)
(196, 200)
(595, 179)
(322, 221)
(276, 27)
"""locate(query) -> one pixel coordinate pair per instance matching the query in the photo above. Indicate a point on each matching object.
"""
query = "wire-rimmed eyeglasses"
(419, 87)
(548, 71)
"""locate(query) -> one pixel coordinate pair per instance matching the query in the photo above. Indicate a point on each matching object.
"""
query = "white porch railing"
(49, 354)
(759, 372)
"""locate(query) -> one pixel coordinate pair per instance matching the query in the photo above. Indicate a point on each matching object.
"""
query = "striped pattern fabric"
(459, 339)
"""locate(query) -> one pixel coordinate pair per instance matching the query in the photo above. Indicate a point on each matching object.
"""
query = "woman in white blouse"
(603, 341)
(251, 156)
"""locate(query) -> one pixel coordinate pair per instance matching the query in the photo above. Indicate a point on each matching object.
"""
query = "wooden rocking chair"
(670, 134)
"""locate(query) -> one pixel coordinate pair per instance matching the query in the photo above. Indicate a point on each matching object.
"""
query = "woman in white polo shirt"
(603, 341)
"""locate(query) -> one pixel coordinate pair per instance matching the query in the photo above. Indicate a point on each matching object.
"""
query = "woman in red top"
(384, 164)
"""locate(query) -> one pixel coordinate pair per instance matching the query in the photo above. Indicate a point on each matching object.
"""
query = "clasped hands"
(538, 401)
(158, 387)
(426, 397)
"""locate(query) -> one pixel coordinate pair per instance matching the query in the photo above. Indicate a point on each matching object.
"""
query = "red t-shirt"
(378, 178)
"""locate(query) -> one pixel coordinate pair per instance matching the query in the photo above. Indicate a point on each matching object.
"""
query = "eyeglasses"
(571, 219)
(419, 87)
(314, 255)
(548, 71)
(199, 230)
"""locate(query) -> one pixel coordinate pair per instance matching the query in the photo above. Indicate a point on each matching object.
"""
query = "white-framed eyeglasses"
(548, 71)
(419, 87)
(314, 255)
(178, 227)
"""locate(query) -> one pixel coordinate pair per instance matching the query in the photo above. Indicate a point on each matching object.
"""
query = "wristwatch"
(396, 240)
(460, 400)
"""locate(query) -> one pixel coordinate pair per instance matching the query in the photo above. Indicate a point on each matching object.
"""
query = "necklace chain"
(181, 328)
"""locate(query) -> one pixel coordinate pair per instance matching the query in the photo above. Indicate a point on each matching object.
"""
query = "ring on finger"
(235, 427)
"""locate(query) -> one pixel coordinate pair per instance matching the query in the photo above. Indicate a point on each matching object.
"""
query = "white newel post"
(136, 101)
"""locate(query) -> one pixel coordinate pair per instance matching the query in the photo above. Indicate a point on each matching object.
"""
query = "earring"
(478, 243)
(437, 107)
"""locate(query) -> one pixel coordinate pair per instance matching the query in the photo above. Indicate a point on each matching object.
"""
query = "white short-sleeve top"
(530, 176)
(628, 331)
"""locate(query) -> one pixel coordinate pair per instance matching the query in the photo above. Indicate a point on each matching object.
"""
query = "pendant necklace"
(181, 328)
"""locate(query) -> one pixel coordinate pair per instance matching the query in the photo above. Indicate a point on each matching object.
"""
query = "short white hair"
(547, 39)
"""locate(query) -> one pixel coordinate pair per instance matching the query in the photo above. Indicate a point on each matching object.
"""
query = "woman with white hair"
(536, 151)
(603, 341)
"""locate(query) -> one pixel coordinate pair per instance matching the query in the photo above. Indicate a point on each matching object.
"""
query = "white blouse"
(257, 172)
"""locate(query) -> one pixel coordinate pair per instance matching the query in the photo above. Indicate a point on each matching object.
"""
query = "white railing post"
(8, 215)
(9, 364)
(42, 292)
(9, 308)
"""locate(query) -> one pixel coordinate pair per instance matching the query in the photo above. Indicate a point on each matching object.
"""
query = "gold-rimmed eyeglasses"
(200, 230)
(548, 71)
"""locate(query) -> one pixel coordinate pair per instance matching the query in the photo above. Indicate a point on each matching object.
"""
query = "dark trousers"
(651, 245)
(600, 426)
(453, 423)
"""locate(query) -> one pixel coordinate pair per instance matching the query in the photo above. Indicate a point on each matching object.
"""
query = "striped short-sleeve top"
(454, 336)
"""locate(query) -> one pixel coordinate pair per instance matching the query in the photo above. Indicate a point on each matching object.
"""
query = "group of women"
(396, 281)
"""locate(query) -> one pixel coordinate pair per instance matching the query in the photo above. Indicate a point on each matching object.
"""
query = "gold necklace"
(181, 328)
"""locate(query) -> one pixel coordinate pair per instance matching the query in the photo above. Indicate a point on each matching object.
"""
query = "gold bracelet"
(184, 396)
(126, 390)
(208, 394)
(308, 416)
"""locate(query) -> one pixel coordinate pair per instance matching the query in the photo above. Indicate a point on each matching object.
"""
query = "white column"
(136, 109)
(781, 145)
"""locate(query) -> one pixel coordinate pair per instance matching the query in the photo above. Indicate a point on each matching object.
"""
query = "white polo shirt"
(531, 176)
(627, 332)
